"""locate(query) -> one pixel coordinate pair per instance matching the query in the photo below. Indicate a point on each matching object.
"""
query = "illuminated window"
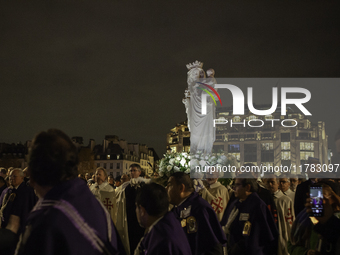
(267, 146)
(285, 155)
(306, 146)
(173, 149)
(285, 146)
(108, 156)
(233, 148)
(304, 155)
(252, 117)
(237, 119)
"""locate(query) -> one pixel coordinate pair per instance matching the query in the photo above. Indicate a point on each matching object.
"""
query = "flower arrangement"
(174, 162)
(182, 162)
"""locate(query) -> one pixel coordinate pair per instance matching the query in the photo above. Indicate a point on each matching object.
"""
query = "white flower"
(178, 158)
(187, 171)
(202, 163)
(172, 161)
(182, 162)
(197, 156)
(206, 157)
(176, 169)
(160, 174)
(169, 167)
(219, 161)
(194, 162)
(223, 157)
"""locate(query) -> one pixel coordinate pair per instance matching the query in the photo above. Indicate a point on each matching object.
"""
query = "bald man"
(16, 202)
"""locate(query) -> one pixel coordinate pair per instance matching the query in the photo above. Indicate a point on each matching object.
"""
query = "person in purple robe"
(67, 219)
(164, 234)
(198, 219)
(248, 223)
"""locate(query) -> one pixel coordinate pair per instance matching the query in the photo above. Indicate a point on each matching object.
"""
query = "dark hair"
(136, 165)
(53, 158)
(182, 178)
(246, 179)
(118, 178)
(154, 198)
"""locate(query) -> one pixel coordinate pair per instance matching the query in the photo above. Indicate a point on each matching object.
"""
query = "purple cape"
(50, 231)
(166, 238)
(209, 232)
(263, 238)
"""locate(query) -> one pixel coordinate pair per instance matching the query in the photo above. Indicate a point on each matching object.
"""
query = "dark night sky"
(94, 68)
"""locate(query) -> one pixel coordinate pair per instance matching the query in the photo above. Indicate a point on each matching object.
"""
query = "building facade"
(271, 140)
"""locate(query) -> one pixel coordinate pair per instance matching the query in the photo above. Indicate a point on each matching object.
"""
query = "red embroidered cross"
(108, 204)
(290, 219)
(216, 205)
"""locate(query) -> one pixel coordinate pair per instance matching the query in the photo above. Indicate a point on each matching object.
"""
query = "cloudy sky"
(96, 68)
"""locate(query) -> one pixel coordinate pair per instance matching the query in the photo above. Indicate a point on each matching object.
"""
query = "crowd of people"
(49, 208)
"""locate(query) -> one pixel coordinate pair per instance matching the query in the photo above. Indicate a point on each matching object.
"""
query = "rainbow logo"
(209, 93)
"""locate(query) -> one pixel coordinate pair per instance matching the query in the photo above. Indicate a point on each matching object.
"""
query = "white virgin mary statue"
(202, 132)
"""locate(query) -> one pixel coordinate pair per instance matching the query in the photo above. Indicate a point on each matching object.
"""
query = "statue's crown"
(195, 65)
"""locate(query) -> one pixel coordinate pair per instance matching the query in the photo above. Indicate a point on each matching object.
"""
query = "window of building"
(233, 148)
(218, 148)
(186, 141)
(306, 146)
(250, 137)
(173, 149)
(285, 146)
(104, 165)
(98, 165)
(268, 136)
(237, 119)
(304, 155)
(252, 117)
(233, 137)
(266, 146)
(267, 164)
(250, 152)
(285, 155)
(111, 165)
(285, 137)
(108, 156)
(305, 135)
(98, 156)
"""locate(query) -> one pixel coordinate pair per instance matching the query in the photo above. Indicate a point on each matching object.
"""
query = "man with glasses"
(127, 224)
(284, 186)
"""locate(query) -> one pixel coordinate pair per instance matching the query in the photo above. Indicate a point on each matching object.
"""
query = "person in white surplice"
(215, 194)
(285, 210)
